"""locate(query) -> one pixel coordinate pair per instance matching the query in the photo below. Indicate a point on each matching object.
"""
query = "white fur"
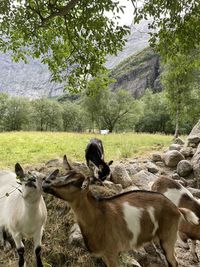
(132, 216)
(22, 214)
(190, 216)
(151, 212)
(175, 194)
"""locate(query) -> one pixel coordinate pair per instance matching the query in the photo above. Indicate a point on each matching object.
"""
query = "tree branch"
(62, 11)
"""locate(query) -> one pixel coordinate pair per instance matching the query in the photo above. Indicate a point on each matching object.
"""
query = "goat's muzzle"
(46, 186)
(30, 184)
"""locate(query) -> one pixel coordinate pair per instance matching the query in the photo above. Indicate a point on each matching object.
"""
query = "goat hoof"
(195, 259)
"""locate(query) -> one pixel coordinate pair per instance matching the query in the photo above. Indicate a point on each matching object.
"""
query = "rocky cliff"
(33, 80)
(138, 72)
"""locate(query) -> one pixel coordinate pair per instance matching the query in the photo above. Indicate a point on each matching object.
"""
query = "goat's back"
(146, 214)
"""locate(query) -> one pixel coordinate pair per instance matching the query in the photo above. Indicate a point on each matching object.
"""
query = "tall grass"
(38, 147)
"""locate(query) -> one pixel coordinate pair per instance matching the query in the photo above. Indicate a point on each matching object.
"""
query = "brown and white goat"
(182, 198)
(122, 222)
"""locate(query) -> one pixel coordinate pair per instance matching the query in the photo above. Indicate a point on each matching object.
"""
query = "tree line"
(116, 111)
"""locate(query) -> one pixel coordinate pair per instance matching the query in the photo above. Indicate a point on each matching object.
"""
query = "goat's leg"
(20, 248)
(168, 249)
(110, 261)
(1, 237)
(193, 251)
(182, 240)
(160, 253)
(37, 247)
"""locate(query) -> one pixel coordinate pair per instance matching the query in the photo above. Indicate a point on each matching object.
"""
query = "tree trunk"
(176, 134)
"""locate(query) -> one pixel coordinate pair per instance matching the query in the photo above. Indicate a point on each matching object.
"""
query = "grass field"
(38, 147)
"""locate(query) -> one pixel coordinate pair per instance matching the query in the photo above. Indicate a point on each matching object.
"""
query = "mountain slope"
(33, 80)
(138, 72)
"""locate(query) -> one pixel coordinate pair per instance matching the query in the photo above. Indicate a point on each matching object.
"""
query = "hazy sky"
(127, 17)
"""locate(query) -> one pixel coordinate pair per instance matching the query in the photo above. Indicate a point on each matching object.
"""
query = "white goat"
(182, 198)
(120, 223)
(22, 209)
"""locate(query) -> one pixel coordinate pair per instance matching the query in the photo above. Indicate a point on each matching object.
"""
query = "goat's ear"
(66, 164)
(110, 162)
(85, 184)
(53, 175)
(19, 171)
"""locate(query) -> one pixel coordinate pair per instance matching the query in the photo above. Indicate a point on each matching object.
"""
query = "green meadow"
(38, 147)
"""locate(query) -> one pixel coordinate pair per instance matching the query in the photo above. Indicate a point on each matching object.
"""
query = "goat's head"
(66, 187)
(31, 183)
(103, 171)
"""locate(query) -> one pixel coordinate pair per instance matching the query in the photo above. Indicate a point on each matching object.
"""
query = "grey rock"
(151, 167)
(130, 188)
(184, 168)
(194, 191)
(121, 176)
(196, 166)
(75, 236)
(156, 157)
(175, 176)
(192, 145)
(130, 262)
(143, 178)
(179, 141)
(195, 129)
(187, 151)
(175, 147)
(172, 157)
(132, 169)
(194, 139)
(110, 185)
(160, 164)
(192, 183)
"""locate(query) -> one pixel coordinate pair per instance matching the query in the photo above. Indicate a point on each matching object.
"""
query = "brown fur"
(186, 229)
(102, 222)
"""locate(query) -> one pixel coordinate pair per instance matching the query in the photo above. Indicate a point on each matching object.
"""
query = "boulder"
(110, 185)
(195, 129)
(75, 236)
(196, 166)
(160, 164)
(121, 176)
(132, 169)
(175, 176)
(194, 191)
(129, 261)
(156, 157)
(130, 188)
(179, 141)
(184, 168)
(187, 151)
(151, 167)
(172, 157)
(194, 139)
(175, 147)
(143, 178)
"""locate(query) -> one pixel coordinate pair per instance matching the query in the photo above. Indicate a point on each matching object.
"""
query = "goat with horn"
(114, 224)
